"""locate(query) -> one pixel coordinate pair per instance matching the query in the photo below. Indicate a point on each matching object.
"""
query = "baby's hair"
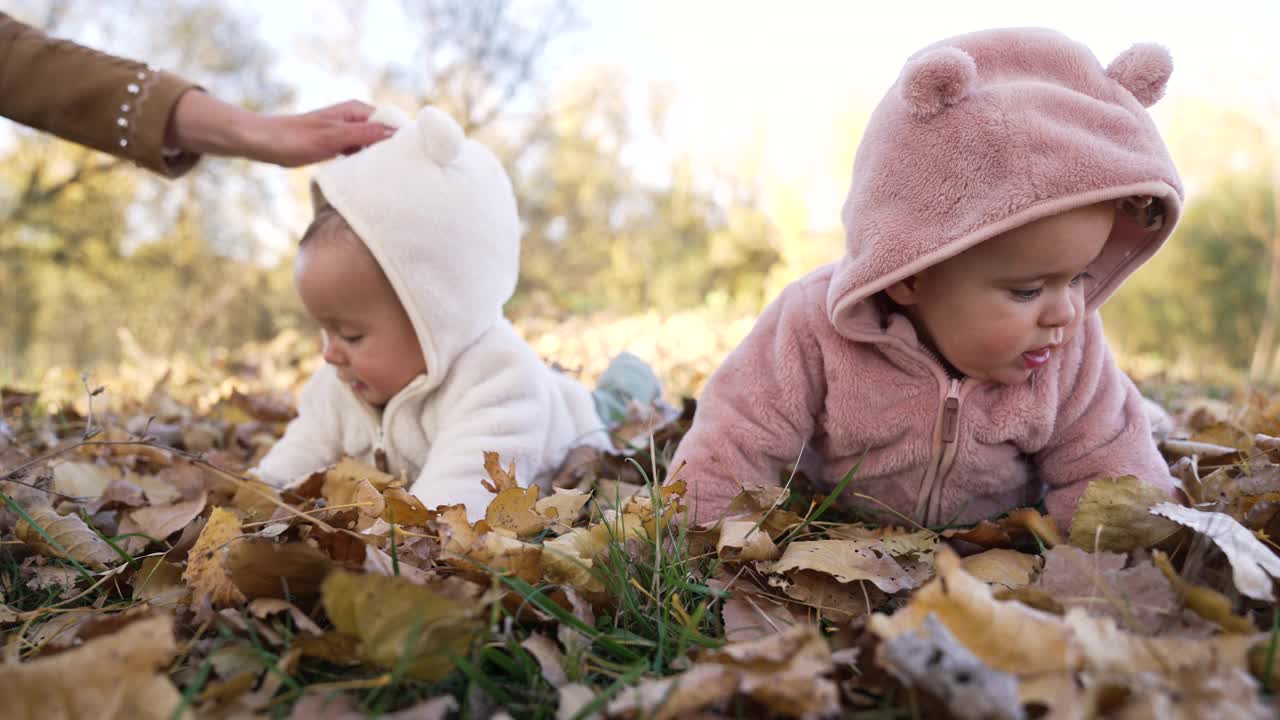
(327, 222)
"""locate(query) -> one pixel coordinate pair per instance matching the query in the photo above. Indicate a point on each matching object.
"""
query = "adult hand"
(203, 124)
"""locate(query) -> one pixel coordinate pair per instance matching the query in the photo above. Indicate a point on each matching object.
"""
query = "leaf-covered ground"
(143, 575)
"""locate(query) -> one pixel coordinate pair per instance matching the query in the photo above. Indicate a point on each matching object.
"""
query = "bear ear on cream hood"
(438, 213)
(985, 132)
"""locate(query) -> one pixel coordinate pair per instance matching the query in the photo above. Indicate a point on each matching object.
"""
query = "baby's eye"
(1025, 295)
(351, 338)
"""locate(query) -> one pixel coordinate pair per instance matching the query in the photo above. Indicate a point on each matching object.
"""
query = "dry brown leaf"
(550, 659)
(261, 608)
(71, 533)
(206, 572)
(502, 553)
(267, 569)
(749, 615)
(675, 697)
(405, 509)
(563, 505)
(161, 521)
(502, 479)
(1042, 526)
(744, 540)
(1253, 565)
(1205, 602)
(1119, 506)
(785, 672)
(1007, 636)
(456, 533)
(340, 481)
(1003, 567)
(256, 500)
(846, 561)
(932, 659)
(159, 583)
(82, 479)
(513, 510)
(829, 598)
(399, 624)
(118, 676)
(1100, 584)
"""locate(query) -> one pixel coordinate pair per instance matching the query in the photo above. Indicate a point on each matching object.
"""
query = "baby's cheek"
(999, 339)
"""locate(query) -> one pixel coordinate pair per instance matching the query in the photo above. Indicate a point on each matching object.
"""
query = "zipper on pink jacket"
(929, 504)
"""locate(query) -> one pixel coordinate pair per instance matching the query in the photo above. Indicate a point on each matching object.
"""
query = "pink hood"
(982, 133)
(988, 131)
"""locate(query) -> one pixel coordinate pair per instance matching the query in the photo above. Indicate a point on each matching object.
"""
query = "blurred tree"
(89, 244)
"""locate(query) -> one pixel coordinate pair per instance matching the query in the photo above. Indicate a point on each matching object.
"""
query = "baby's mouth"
(1038, 357)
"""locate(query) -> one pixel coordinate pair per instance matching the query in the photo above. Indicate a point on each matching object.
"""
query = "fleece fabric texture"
(982, 133)
(437, 212)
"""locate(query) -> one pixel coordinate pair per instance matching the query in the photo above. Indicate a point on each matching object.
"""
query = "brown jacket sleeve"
(101, 101)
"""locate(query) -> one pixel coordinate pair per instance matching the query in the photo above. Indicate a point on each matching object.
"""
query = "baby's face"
(1001, 309)
(367, 334)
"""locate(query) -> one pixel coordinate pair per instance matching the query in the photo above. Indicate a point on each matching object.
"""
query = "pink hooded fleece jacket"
(981, 133)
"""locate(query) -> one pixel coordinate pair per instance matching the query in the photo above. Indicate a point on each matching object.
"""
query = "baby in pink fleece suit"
(1005, 186)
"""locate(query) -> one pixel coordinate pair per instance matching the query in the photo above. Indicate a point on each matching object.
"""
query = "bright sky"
(779, 89)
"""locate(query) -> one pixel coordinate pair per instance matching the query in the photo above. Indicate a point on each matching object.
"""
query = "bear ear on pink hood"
(1143, 70)
(935, 79)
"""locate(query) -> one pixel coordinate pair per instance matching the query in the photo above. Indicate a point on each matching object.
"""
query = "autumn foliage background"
(161, 316)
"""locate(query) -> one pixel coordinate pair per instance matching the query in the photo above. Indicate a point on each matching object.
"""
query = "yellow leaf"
(206, 572)
(399, 624)
(405, 509)
(502, 553)
(266, 569)
(117, 676)
(70, 532)
(1119, 506)
(256, 499)
(562, 505)
(502, 479)
(846, 561)
(161, 521)
(513, 510)
(159, 583)
(741, 540)
(340, 481)
(999, 566)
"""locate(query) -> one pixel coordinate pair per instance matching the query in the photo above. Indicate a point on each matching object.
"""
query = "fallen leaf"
(1000, 566)
(1138, 597)
(743, 540)
(502, 479)
(931, 658)
(513, 510)
(785, 672)
(846, 561)
(399, 624)
(256, 500)
(1253, 565)
(573, 699)
(749, 615)
(70, 533)
(678, 696)
(82, 479)
(159, 583)
(262, 608)
(550, 659)
(161, 521)
(267, 569)
(828, 597)
(496, 552)
(206, 572)
(340, 481)
(262, 407)
(1205, 602)
(405, 509)
(1007, 636)
(562, 505)
(1119, 507)
(114, 676)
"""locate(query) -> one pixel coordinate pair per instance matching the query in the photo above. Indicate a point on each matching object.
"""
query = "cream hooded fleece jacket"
(982, 133)
(438, 214)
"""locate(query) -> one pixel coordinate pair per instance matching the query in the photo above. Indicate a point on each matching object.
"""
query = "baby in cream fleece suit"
(413, 251)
